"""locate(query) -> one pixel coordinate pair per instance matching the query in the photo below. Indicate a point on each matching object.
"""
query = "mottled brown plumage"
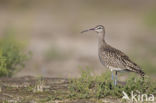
(113, 58)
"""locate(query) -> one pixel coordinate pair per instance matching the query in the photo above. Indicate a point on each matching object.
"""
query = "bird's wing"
(131, 65)
(118, 59)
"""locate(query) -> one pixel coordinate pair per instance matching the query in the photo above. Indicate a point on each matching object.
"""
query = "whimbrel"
(112, 58)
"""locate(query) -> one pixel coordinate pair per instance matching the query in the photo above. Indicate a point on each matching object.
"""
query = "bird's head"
(98, 29)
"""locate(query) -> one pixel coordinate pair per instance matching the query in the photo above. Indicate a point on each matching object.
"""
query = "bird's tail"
(142, 74)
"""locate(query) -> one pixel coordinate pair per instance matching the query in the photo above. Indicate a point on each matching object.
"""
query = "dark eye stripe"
(99, 27)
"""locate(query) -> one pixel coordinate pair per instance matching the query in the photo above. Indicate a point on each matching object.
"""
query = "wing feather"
(110, 56)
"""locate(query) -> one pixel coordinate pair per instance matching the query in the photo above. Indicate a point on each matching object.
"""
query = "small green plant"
(82, 87)
(88, 86)
(138, 84)
(12, 56)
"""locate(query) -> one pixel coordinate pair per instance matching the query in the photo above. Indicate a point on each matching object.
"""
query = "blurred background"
(44, 35)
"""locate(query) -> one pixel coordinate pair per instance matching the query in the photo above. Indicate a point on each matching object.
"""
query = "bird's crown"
(99, 27)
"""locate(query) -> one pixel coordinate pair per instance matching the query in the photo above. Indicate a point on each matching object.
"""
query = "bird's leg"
(112, 76)
(115, 81)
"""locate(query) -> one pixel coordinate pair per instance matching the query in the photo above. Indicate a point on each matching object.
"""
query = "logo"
(138, 97)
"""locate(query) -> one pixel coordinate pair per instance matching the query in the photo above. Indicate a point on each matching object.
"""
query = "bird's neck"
(101, 40)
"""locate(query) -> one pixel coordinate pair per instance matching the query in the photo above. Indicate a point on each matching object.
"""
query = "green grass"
(88, 86)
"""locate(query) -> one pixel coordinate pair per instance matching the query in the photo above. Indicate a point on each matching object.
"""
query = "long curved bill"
(87, 30)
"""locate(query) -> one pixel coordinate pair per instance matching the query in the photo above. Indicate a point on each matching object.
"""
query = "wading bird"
(112, 58)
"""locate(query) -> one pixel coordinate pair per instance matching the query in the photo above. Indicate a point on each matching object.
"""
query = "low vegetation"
(88, 86)
(96, 89)
(12, 56)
